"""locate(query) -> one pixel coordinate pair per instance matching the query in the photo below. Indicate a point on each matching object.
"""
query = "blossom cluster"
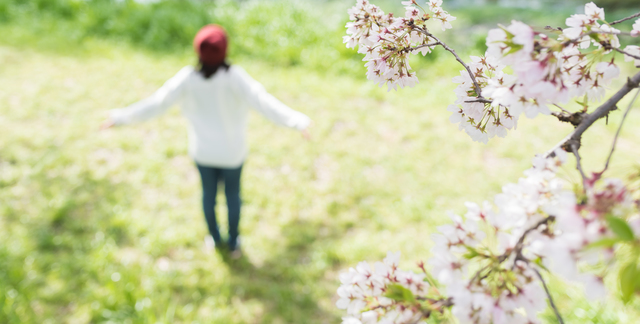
(499, 238)
(546, 71)
(479, 119)
(364, 292)
(582, 227)
(490, 258)
(387, 41)
(534, 221)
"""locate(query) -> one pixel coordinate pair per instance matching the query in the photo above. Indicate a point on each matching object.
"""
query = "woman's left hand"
(107, 124)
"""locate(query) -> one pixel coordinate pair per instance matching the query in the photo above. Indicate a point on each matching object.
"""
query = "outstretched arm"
(266, 104)
(158, 103)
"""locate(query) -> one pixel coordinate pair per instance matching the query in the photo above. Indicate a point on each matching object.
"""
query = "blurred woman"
(216, 98)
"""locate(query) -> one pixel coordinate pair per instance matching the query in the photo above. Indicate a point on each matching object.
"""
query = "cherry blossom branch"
(615, 138)
(564, 110)
(625, 19)
(600, 112)
(553, 305)
(558, 29)
(505, 270)
(452, 51)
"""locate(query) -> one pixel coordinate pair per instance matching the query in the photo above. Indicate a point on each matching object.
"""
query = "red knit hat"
(211, 44)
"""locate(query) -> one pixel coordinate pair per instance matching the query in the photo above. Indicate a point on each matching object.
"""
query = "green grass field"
(106, 226)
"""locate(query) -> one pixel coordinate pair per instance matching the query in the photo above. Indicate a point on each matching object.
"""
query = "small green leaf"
(471, 253)
(432, 281)
(538, 262)
(399, 293)
(628, 280)
(514, 48)
(595, 37)
(620, 228)
(582, 103)
(603, 243)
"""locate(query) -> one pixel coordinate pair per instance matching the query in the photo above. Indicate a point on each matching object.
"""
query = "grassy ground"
(106, 227)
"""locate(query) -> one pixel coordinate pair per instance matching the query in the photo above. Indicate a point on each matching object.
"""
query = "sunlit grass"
(106, 226)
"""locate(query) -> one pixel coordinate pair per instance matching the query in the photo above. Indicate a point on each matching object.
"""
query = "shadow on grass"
(52, 238)
(58, 261)
(285, 282)
(63, 243)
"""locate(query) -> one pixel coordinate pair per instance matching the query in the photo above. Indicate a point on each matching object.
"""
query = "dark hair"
(208, 70)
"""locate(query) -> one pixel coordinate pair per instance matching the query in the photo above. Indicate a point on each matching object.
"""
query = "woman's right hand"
(305, 132)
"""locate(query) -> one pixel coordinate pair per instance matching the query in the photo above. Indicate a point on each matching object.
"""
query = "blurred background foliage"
(107, 227)
(307, 33)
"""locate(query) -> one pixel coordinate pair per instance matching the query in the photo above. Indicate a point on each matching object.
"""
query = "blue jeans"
(210, 177)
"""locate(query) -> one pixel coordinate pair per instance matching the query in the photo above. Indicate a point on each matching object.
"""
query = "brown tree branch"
(600, 112)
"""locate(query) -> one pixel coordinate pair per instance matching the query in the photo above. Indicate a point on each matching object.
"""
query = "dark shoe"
(210, 244)
(236, 254)
(235, 250)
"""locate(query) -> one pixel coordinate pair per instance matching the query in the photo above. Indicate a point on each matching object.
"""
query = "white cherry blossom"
(633, 50)
(635, 32)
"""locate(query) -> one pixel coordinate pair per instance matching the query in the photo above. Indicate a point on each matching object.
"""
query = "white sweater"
(217, 109)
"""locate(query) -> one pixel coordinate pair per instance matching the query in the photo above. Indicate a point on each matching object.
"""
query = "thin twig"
(553, 28)
(481, 100)
(626, 53)
(445, 302)
(602, 111)
(520, 244)
(450, 50)
(553, 305)
(625, 19)
(574, 150)
(477, 275)
(615, 139)
(568, 112)
(411, 49)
